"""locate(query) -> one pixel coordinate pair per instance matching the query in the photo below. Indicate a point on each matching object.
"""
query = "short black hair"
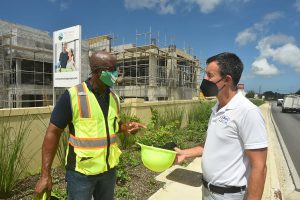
(229, 64)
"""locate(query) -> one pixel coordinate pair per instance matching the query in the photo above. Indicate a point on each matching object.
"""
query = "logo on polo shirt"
(224, 119)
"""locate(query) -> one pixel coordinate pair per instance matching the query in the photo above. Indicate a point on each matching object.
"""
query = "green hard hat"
(157, 159)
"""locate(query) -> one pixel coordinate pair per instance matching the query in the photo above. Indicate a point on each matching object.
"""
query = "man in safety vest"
(92, 112)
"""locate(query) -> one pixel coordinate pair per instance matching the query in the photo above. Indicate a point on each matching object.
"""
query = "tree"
(298, 92)
(269, 95)
(250, 94)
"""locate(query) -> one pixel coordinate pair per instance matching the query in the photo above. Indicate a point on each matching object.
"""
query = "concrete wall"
(41, 115)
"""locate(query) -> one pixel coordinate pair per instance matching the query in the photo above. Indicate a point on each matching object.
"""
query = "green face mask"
(109, 78)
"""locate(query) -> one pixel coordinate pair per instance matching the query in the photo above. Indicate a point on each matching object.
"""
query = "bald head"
(103, 61)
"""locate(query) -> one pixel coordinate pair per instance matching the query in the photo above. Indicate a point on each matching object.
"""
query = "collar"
(90, 87)
(232, 104)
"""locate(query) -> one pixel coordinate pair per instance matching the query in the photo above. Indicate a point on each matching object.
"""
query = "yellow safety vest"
(94, 140)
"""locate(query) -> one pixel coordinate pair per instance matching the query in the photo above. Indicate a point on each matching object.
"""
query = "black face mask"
(209, 88)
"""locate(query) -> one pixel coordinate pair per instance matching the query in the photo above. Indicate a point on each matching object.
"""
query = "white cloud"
(251, 33)
(266, 45)
(289, 54)
(205, 6)
(171, 6)
(272, 16)
(245, 37)
(297, 5)
(262, 67)
(164, 7)
(276, 48)
(62, 4)
(136, 4)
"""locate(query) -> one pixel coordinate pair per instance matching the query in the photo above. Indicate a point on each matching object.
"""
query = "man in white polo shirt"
(235, 150)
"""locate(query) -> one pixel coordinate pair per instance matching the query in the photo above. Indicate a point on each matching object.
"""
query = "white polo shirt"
(237, 126)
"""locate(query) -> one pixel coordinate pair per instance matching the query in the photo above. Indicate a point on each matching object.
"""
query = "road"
(289, 127)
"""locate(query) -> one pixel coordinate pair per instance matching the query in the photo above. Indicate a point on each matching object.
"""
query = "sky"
(265, 34)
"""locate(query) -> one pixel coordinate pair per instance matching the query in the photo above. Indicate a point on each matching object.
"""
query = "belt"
(222, 190)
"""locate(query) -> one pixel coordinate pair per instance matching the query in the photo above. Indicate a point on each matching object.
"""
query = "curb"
(293, 171)
(272, 189)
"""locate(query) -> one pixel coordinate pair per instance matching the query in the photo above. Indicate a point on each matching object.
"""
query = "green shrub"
(123, 192)
(157, 137)
(200, 113)
(126, 140)
(257, 102)
(172, 116)
(60, 193)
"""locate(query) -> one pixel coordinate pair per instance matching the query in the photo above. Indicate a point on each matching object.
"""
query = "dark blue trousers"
(83, 187)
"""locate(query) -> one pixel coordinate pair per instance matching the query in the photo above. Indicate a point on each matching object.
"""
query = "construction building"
(146, 71)
(154, 73)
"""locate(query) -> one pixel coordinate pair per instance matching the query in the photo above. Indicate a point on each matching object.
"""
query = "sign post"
(66, 58)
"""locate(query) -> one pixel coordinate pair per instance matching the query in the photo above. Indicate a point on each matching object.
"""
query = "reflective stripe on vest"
(83, 102)
(90, 143)
(117, 101)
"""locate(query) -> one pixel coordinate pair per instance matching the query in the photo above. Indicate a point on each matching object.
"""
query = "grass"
(170, 115)
(257, 102)
(14, 164)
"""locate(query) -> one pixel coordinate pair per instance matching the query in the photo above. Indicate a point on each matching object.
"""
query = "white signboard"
(67, 57)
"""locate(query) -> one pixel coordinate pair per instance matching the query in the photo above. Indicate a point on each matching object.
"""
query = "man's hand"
(132, 127)
(183, 154)
(180, 156)
(49, 148)
(43, 185)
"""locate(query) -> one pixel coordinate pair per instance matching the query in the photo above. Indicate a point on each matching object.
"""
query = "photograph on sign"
(67, 57)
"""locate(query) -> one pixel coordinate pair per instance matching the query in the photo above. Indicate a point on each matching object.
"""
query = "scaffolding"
(154, 73)
(25, 66)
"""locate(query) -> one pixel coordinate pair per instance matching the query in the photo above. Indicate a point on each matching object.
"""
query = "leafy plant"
(122, 176)
(200, 113)
(13, 165)
(129, 158)
(124, 139)
(123, 192)
(60, 193)
(170, 115)
(158, 137)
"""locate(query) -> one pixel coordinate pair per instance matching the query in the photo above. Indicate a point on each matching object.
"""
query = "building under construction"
(155, 73)
(146, 71)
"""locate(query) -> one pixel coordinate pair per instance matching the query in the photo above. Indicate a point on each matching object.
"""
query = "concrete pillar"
(172, 69)
(18, 72)
(171, 75)
(18, 84)
(152, 93)
(153, 67)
